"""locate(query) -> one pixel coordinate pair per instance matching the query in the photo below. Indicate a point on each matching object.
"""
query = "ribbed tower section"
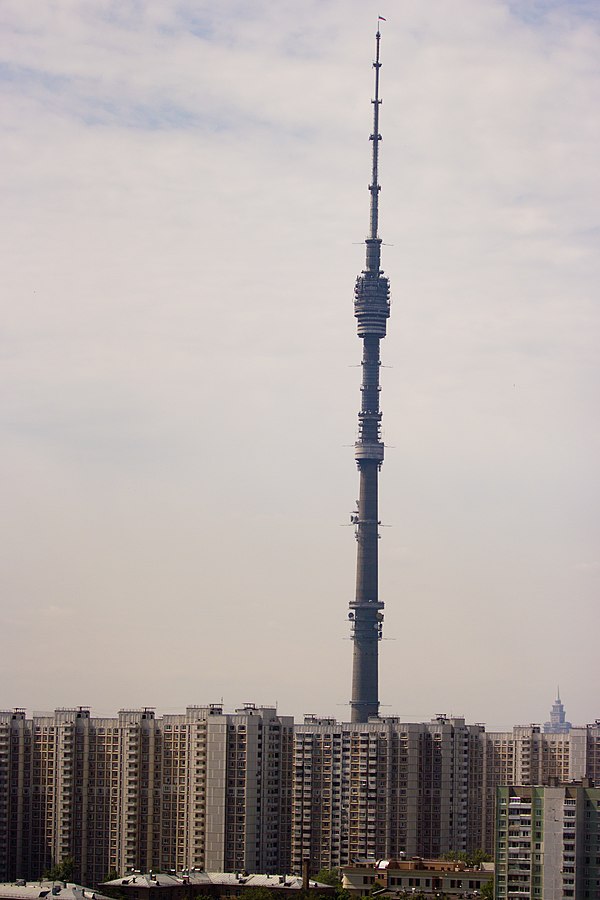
(371, 308)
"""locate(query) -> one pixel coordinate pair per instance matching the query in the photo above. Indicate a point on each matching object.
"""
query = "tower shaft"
(371, 308)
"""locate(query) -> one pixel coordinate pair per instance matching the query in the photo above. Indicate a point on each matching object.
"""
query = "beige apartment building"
(250, 791)
(592, 754)
(203, 789)
(528, 755)
(387, 788)
(384, 788)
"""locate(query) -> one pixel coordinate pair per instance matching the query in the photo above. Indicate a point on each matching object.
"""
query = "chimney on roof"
(305, 873)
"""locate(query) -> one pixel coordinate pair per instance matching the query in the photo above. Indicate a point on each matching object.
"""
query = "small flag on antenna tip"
(381, 19)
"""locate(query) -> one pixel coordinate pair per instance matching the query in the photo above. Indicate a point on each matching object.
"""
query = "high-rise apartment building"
(384, 788)
(203, 789)
(592, 752)
(548, 842)
(249, 790)
(528, 755)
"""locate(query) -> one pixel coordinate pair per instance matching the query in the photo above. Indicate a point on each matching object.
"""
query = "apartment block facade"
(383, 788)
(528, 755)
(203, 789)
(249, 790)
(548, 842)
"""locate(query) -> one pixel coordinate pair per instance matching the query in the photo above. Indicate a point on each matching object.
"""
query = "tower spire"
(375, 137)
(558, 718)
(371, 309)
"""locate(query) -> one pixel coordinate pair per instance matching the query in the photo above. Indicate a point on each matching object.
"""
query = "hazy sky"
(184, 200)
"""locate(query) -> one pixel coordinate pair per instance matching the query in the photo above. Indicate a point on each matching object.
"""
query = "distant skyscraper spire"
(557, 723)
(371, 308)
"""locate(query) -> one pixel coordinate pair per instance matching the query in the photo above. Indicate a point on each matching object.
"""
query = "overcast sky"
(184, 200)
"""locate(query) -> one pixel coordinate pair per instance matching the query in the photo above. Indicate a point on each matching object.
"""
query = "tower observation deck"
(372, 309)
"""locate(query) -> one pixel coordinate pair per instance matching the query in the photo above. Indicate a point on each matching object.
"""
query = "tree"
(329, 876)
(258, 893)
(478, 857)
(62, 871)
(474, 858)
(332, 877)
(487, 891)
(342, 894)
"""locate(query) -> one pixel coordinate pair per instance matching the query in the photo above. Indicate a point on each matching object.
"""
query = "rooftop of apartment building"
(405, 877)
(61, 890)
(183, 884)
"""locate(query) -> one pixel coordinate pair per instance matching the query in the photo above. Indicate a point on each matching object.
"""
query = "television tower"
(371, 308)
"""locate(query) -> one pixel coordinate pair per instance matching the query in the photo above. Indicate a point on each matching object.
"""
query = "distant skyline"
(184, 204)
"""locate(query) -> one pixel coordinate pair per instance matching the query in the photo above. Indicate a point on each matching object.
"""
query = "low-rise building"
(406, 877)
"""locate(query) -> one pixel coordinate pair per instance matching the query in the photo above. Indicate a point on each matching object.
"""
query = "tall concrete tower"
(371, 308)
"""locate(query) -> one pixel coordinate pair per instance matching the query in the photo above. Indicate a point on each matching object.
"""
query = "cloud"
(591, 567)
(57, 612)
